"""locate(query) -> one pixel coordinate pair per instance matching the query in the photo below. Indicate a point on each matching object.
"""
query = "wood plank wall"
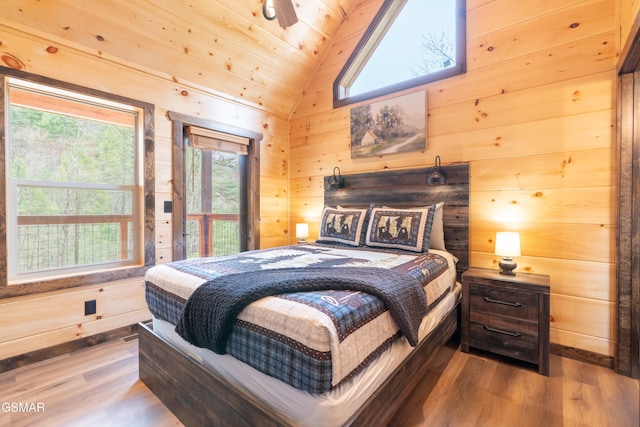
(406, 188)
(46, 320)
(626, 15)
(535, 117)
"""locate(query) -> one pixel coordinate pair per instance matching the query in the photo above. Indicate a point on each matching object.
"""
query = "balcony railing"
(221, 233)
(59, 241)
(63, 241)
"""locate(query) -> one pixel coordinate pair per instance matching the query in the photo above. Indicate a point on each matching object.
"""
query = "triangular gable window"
(409, 43)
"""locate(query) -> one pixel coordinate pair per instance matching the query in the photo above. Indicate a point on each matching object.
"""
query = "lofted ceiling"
(226, 46)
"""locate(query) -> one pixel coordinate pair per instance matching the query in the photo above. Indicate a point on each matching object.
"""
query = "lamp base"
(507, 265)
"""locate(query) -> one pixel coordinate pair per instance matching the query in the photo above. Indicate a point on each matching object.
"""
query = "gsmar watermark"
(22, 407)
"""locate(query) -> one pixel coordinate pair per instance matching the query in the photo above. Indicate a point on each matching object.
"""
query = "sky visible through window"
(402, 55)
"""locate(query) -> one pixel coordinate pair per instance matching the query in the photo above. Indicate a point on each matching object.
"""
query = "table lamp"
(302, 232)
(507, 246)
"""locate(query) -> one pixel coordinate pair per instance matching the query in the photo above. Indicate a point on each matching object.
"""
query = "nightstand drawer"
(503, 302)
(502, 336)
(507, 315)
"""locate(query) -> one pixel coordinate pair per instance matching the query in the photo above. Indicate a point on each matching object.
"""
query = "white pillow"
(437, 230)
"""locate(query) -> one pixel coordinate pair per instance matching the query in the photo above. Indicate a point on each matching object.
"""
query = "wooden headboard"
(408, 188)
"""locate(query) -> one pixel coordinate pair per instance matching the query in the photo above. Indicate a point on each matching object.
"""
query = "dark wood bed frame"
(200, 397)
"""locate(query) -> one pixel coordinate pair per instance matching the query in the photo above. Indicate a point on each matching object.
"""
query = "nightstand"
(506, 315)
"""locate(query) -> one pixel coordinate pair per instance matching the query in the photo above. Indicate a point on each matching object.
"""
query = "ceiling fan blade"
(285, 12)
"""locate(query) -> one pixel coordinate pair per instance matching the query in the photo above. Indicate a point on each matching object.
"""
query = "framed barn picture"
(391, 126)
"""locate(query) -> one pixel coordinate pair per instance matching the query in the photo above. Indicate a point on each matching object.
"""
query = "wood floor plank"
(616, 396)
(96, 386)
(479, 389)
(99, 386)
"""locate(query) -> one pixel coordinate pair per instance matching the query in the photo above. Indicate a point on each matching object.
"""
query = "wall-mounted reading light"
(268, 11)
(435, 175)
(282, 10)
(336, 182)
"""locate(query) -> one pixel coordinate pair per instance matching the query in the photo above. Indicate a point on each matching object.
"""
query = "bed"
(348, 377)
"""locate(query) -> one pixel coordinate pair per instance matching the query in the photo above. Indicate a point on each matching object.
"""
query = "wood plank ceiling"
(226, 46)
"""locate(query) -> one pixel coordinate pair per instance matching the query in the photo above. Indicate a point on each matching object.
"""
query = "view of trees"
(414, 39)
(65, 171)
(224, 179)
(439, 53)
(221, 172)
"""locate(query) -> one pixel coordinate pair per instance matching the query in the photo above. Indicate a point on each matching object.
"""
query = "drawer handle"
(500, 331)
(495, 301)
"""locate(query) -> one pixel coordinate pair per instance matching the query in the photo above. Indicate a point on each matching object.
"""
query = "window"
(75, 183)
(409, 43)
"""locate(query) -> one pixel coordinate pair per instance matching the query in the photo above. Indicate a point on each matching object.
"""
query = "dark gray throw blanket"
(212, 309)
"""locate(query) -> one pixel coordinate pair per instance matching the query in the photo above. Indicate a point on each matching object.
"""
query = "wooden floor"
(99, 386)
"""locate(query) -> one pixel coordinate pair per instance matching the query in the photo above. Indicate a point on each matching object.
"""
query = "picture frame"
(391, 126)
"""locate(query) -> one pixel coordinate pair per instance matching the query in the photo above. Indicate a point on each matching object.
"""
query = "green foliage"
(65, 165)
(222, 173)
(225, 186)
(224, 179)
(63, 149)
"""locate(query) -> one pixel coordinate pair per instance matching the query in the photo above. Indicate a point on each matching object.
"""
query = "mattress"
(303, 409)
(313, 341)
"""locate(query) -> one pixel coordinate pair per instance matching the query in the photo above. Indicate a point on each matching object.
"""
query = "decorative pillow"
(436, 240)
(407, 229)
(339, 225)
(364, 223)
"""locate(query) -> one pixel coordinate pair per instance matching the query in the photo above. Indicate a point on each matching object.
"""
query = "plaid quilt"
(313, 341)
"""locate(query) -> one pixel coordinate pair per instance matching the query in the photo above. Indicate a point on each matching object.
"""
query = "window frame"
(147, 205)
(366, 45)
(250, 183)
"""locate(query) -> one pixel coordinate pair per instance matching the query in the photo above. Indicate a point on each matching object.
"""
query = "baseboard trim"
(67, 347)
(582, 355)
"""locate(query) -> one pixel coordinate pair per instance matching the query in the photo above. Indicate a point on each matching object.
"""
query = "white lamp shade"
(507, 244)
(302, 231)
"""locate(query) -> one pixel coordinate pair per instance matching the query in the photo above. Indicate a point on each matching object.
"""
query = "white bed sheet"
(302, 408)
